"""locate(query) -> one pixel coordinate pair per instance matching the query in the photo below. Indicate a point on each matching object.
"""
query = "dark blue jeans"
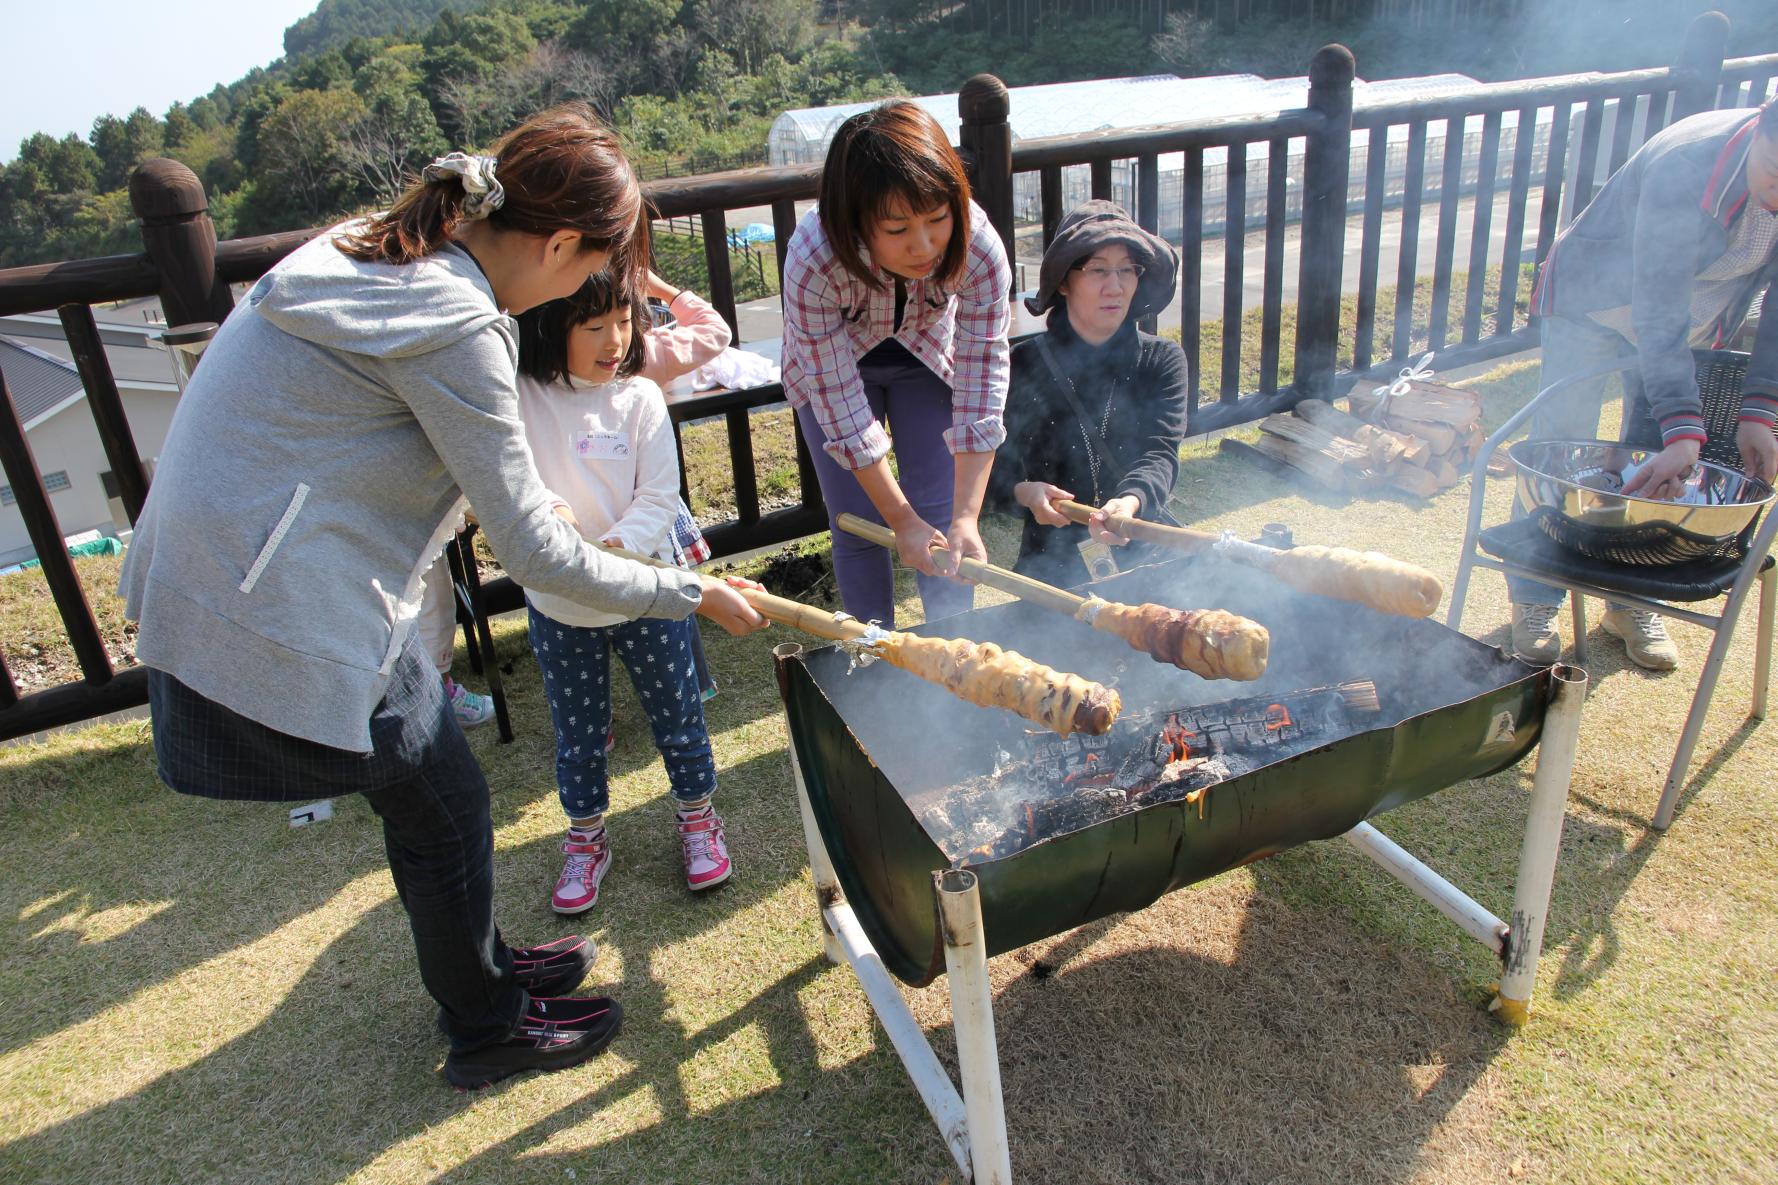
(576, 665)
(421, 779)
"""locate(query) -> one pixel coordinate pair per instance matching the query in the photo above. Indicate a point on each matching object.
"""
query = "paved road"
(760, 319)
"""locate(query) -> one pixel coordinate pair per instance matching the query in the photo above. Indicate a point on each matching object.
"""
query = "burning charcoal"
(1066, 784)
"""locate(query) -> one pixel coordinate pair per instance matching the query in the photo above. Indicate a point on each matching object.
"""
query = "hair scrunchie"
(482, 193)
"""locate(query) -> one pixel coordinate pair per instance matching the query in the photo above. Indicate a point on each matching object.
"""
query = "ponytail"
(560, 170)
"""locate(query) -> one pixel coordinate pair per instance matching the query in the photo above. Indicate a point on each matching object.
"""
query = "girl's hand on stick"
(1038, 497)
(1096, 522)
(726, 607)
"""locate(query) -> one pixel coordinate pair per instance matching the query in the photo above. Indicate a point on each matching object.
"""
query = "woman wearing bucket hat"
(1095, 408)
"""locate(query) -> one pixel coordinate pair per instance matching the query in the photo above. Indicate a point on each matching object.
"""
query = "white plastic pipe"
(1543, 837)
(1469, 914)
(972, 1016)
(928, 1076)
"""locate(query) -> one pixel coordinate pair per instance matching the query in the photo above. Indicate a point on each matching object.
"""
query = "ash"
(1061, 785)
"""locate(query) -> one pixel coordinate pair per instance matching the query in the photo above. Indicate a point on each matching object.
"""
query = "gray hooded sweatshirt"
(314, 469)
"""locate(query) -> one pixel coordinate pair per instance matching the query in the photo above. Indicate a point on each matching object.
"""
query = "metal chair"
(1521, 548)
(472, 615)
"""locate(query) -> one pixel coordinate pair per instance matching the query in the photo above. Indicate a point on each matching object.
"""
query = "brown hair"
(895, 152)
(544, 330)
(561, 169)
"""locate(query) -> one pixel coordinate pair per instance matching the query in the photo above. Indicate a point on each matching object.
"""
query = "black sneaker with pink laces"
(553, 969)
(553, 1034)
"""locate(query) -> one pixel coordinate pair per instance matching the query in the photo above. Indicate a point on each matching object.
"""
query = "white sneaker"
(472, 710)
(1534, 633)
(1645, 637)
(586, 860)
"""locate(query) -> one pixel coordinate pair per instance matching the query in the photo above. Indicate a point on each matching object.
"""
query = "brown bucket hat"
(1096, 224)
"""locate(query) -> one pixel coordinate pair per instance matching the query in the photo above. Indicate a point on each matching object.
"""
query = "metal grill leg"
(1543, 836)
(972, 1015)
(1580, 627)
(1762, 645)
(1694, 720)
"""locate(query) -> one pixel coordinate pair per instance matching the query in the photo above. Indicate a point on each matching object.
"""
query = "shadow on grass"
(1296, 1013)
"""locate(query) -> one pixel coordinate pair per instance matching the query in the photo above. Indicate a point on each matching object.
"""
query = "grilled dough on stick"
(990, 677)
(981, 673)
(1213, 643)
(1208, 642)
(1364, 577)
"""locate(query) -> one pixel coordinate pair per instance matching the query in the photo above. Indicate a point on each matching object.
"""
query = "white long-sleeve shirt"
(606, 451)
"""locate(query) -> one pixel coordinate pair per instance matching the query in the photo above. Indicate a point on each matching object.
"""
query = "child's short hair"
(895, 152)
(544, 330)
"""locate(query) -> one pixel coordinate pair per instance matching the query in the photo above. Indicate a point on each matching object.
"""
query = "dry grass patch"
(194, 992)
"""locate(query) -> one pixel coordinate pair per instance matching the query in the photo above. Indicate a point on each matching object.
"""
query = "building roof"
(137, 358)
(41, 384)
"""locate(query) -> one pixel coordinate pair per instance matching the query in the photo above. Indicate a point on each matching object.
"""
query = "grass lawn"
(192, 991)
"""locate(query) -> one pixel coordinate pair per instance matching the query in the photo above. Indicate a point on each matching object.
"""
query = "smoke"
(925, 742)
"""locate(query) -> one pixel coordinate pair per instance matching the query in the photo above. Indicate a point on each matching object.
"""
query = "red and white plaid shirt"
(832, 319)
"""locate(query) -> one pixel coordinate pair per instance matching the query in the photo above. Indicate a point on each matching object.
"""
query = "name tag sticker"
(602, 446)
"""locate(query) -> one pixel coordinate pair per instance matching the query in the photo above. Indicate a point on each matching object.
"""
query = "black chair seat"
(1523, 543)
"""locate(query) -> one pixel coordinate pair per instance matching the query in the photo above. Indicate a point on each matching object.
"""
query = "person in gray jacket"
(316, 464)
(1670, 255)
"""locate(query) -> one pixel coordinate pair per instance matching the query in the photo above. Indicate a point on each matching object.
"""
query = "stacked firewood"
(1418, 437)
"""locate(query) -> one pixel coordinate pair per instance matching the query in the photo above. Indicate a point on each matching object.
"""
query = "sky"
(71, 61)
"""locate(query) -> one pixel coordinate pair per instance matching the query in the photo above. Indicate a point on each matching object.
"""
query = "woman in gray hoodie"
(341, 419)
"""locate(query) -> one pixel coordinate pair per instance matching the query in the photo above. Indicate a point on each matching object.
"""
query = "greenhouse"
(801, 137)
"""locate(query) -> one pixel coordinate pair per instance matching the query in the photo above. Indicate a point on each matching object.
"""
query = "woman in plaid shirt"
(895, 310)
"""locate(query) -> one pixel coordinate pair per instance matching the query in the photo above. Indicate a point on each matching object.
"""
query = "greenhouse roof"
(1059, 108)
(1071, 107)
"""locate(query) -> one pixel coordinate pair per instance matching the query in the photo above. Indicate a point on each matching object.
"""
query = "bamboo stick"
(1209, 642)
(979, 672)
(1367, 578)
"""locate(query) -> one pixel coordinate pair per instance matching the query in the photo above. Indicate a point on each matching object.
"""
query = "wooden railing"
(1556, 168)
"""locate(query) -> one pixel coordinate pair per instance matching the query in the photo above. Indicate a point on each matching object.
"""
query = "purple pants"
(915, 404)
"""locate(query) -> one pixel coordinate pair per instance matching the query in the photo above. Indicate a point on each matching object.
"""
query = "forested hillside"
(335, 22)
(369, 90)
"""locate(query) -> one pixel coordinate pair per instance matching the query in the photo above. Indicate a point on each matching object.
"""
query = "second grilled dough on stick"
(1208, 642)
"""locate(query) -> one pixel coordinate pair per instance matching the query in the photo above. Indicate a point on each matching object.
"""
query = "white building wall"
(69, 441)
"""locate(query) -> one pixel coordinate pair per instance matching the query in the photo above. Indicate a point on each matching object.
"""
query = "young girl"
(697, 335)
(604, 447)
(358, 394)
(895, 310)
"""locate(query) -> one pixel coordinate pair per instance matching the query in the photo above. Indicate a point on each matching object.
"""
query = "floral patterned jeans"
(576, 666)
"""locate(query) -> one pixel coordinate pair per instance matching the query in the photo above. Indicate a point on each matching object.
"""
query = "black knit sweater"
(1144, 378)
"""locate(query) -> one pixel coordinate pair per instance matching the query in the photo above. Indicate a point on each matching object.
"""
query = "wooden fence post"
(181, 241)
(1327, 164)
(1699, 69)
(987, 140)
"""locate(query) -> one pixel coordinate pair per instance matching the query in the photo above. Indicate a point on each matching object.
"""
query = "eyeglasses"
(1099, 274)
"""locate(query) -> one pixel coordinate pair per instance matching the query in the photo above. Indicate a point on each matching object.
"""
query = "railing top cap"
(983, 99)
(162, 189)
(1332, 65)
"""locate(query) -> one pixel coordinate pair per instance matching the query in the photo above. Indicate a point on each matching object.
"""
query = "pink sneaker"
(587, 860)
(706, 854)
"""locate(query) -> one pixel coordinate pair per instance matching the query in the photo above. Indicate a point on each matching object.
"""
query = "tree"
(302, 152)
(67, 165)
(396, 135)
(180, 128)
(751, 31)
(122, 144)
